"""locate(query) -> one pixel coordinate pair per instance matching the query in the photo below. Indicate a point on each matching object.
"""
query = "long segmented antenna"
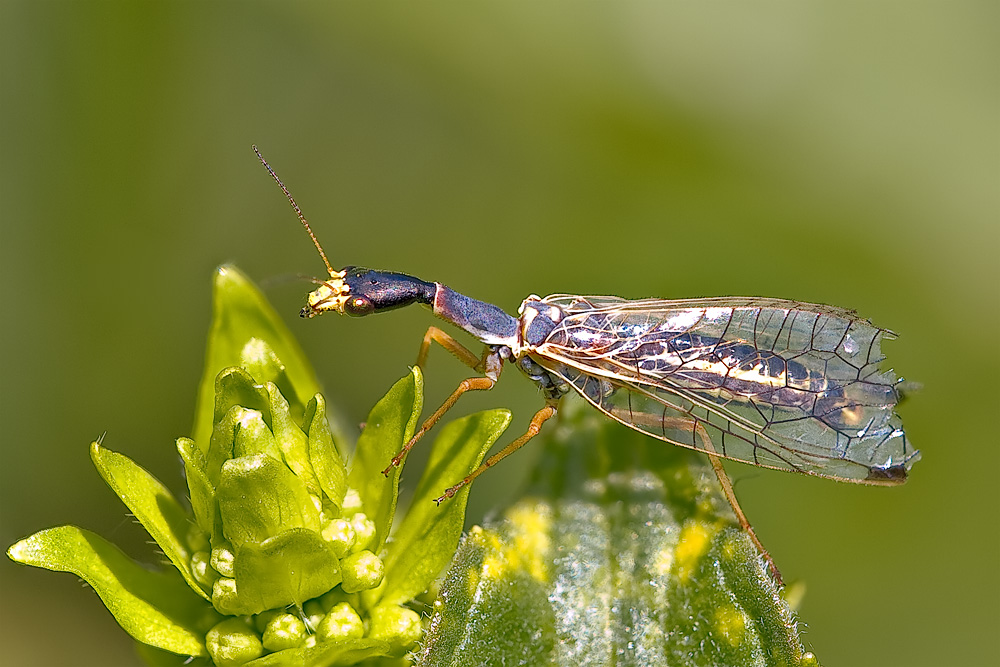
(298, 212)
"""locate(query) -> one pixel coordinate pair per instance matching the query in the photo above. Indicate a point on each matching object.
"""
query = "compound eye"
(358, 306)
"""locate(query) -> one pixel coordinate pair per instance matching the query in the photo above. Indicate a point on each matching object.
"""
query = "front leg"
(442, 338)
(490, 363)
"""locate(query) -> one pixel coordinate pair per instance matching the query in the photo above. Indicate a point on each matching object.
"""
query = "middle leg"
(534, 427)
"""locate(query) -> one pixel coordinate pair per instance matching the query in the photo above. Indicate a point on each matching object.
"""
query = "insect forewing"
(775, 383)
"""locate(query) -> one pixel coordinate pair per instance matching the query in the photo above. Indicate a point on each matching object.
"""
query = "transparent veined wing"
(774, 383)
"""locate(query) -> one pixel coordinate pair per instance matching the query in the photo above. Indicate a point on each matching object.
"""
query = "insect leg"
(695, 426)
(727, 489)
(466, 356)
(534, 427)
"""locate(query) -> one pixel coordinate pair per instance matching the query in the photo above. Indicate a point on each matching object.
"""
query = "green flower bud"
(224, 595)
(364, 532)
(283, 631)
(222, 560)
(232, 643)
(340, 534)
(398, 626)
(343, 622)
(361, 571)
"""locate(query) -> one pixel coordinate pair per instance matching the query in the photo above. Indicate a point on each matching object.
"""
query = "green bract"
(624, 552)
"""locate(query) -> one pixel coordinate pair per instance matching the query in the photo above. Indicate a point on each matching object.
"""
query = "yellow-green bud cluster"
(282, 545)
(330, 618)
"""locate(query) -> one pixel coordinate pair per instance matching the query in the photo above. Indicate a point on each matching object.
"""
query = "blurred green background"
(845, 153)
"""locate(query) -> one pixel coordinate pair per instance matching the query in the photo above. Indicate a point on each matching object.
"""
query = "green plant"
(622, 550)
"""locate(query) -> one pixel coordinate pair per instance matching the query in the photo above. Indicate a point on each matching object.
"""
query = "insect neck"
(483, 320)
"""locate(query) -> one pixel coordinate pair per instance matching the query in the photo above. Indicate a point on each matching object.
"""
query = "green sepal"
(246, 331)
(427, 538)
(326, 461)
(328, 654)
(289, 568)
(154, 607)
(291, 438)
(390, 425)
(260, 498)
(200, 489)
(152, 504)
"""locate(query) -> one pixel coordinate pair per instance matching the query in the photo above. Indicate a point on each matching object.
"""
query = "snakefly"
(773, 383)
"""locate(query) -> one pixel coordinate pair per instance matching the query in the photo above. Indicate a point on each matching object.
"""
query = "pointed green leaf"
(260, 361)
(152, 504)
(326, 461)
(156, 608)
(240, 317)
(390, 425)
(427, 537)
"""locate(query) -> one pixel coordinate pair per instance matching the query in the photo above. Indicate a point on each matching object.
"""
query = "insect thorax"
(537, 320)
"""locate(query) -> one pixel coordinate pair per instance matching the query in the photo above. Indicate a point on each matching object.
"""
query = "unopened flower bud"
(361, 571)
(284, 631)
(343, 622)
(232, 643)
